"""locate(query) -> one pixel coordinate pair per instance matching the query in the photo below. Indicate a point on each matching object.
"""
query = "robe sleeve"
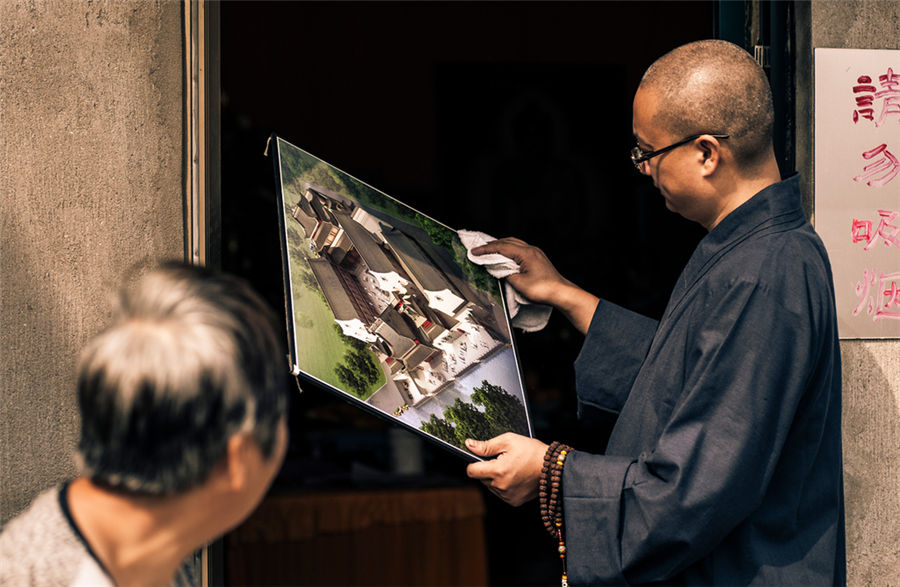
(645, 519)
(614, 349)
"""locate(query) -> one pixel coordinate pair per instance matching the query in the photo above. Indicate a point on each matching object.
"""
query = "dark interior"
(510, 118)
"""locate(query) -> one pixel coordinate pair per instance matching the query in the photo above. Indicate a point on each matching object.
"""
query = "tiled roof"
(365, 244)
(335, 294)
(416, 262)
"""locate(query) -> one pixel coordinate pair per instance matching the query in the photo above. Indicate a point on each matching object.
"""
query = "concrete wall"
(90, 183)
(871, 369)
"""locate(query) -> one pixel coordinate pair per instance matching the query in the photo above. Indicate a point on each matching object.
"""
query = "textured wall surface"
(871, 369)
(90, 184)
(871, 376)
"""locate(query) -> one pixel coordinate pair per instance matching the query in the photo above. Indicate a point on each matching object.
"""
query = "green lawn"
(319, 350)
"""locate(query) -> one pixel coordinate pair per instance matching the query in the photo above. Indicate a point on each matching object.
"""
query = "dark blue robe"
(724, 465)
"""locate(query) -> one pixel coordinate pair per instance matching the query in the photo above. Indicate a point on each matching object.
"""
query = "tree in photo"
(349, 340)
(294, 162)
(353, 382)
(360, 361)
(442, 429)
(358, 370)
(470, 422)
(439, 234)
(502, 410)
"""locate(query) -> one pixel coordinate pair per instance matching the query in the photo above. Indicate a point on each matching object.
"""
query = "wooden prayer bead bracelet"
(551, 499)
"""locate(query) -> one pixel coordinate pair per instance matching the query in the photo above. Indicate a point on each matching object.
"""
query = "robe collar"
(778, 203)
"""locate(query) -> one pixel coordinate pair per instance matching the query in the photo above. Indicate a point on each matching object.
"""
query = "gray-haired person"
(183, 413)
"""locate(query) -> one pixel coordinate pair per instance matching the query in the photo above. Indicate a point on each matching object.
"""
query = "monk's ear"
(708, 153)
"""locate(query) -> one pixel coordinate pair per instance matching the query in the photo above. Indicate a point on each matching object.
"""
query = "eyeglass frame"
(638, 156)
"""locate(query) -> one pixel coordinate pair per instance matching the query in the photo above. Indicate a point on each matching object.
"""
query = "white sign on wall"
(857, 185)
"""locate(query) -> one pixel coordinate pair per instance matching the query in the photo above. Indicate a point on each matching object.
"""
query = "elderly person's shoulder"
(41, 546)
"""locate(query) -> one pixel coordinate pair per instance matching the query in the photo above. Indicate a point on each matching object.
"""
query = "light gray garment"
(41, 547)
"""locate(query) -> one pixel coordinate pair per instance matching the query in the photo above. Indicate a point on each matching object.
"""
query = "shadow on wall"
(871, 432)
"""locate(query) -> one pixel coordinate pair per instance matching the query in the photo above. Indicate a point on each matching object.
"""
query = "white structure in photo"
(390, 289)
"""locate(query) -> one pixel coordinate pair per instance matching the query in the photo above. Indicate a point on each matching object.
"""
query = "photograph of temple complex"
(388, 309)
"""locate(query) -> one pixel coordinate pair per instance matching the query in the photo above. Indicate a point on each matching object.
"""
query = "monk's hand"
(538, 280)
(515, 471)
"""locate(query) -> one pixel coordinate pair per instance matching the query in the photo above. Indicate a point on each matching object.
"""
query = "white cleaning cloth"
(523, 314)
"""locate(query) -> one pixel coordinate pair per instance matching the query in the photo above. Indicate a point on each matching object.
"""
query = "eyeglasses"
(638, 156)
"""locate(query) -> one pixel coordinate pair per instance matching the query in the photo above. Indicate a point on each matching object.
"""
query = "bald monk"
(724, 465)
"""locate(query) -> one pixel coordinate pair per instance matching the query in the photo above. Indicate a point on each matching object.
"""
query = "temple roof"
(338, 299)
(396, 331)
(416, 262)
(365, 244)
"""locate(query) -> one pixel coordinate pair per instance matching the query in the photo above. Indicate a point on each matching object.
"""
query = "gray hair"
(715, 87)
(191, 359)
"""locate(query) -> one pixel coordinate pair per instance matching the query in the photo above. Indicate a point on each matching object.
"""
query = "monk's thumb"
(482, 448)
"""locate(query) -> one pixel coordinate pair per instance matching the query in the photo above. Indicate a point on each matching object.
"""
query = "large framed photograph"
(385, 309)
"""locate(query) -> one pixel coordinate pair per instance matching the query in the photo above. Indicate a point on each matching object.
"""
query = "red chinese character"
(862, 292)
(886, 230)
(891, 296)
(882, 171)
(861, 230)
(887, 304)
(890, 94)
(865, 101)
